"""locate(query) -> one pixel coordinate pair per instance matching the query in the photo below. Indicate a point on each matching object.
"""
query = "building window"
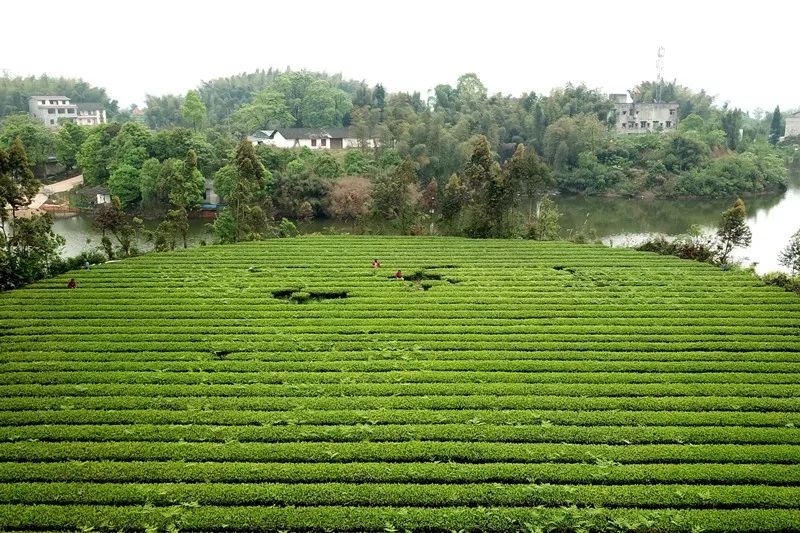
(669, 124)
(644, 124)
(71, 111)
(313, 142)
(323, 142)
(53, 102)
(624, 112)
(51, 111)
(52, 121)
(671, 112)
(61, 111)
(41, 102)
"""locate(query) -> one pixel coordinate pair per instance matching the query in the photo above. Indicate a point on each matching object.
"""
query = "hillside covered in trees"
(425, 147)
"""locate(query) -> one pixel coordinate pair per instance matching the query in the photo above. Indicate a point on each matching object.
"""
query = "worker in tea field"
(376, 263)
(398, 274)
(72, 284)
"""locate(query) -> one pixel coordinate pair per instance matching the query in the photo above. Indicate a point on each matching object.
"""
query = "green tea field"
(501, 385)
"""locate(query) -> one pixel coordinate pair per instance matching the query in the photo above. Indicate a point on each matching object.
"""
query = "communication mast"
(659, 73)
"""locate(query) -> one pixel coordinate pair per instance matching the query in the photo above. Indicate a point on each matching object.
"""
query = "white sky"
(743, 52)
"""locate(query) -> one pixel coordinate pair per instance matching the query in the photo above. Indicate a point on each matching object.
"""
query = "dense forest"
(157, 160)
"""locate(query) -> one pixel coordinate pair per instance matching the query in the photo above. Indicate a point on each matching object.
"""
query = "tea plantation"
(501, 385)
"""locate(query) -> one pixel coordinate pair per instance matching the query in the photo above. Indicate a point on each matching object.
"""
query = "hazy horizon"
(162, 48)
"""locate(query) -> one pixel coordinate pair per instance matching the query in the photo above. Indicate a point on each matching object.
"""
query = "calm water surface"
(618, 221)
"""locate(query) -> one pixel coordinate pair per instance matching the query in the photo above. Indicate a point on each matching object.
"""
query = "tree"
(790, 256)
(38, 140)
(68, 141)
(350, 198)
(247, 200)
(395, 193)
(775, 127)
(163, 111)
(28, 253)
(267, 110)
(544, 225)
(529, 176)
(491, 193)
(379, 96)
(124, 183)
(18, 185)
(193, 109)
(111, 218)
(731, 120)
(455, 198)
(185, 185)
(733, 230)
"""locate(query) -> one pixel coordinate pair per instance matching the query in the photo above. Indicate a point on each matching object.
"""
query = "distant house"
(313, 138)
(90, 115)
(792, 125)
(644, 118)
(52, 109)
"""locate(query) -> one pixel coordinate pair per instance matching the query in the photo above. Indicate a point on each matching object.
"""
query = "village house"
(313, 138)
(644, 118)
(52, 109)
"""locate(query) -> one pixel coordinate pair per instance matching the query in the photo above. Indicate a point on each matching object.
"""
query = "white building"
(90, 115)
(644, 118)
(52, 109)
(313, 138)
(792, 125)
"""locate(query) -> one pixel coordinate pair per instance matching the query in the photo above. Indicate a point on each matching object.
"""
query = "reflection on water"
(619, 221)
(81, 235)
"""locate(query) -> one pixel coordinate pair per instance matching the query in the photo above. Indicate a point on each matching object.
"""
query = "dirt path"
(47, 190)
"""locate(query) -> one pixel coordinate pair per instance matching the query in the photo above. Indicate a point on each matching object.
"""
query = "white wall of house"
(792, 126)
(354, 143)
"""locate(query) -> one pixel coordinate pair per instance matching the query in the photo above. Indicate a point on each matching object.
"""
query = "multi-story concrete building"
(90, 115)
(644, 118)
(52, 109)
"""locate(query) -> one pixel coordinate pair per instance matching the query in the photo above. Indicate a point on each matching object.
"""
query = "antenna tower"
(659, 73)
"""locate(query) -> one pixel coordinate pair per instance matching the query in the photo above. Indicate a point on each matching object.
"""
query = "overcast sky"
(742, 52)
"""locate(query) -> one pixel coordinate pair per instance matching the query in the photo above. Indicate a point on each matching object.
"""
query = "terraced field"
(503, 385)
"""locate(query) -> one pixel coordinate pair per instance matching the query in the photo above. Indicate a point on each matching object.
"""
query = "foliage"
(28, 249)
(69, 139)
(543, 225)
(39, 141)
(247, 202)
(733, 230)
(790, 255)
(112, 218)
(395, 194)
(125, 184)
(18, 186)
(350, 198)
(193, 109)
(28, 246)
(775, 127)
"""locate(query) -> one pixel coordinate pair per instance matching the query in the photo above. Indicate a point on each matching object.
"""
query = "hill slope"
(289, 385)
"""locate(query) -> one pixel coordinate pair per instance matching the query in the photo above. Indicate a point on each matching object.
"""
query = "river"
(617, 221)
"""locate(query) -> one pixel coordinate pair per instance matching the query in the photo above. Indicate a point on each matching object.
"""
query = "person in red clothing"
(398, 274)
(72, 284)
